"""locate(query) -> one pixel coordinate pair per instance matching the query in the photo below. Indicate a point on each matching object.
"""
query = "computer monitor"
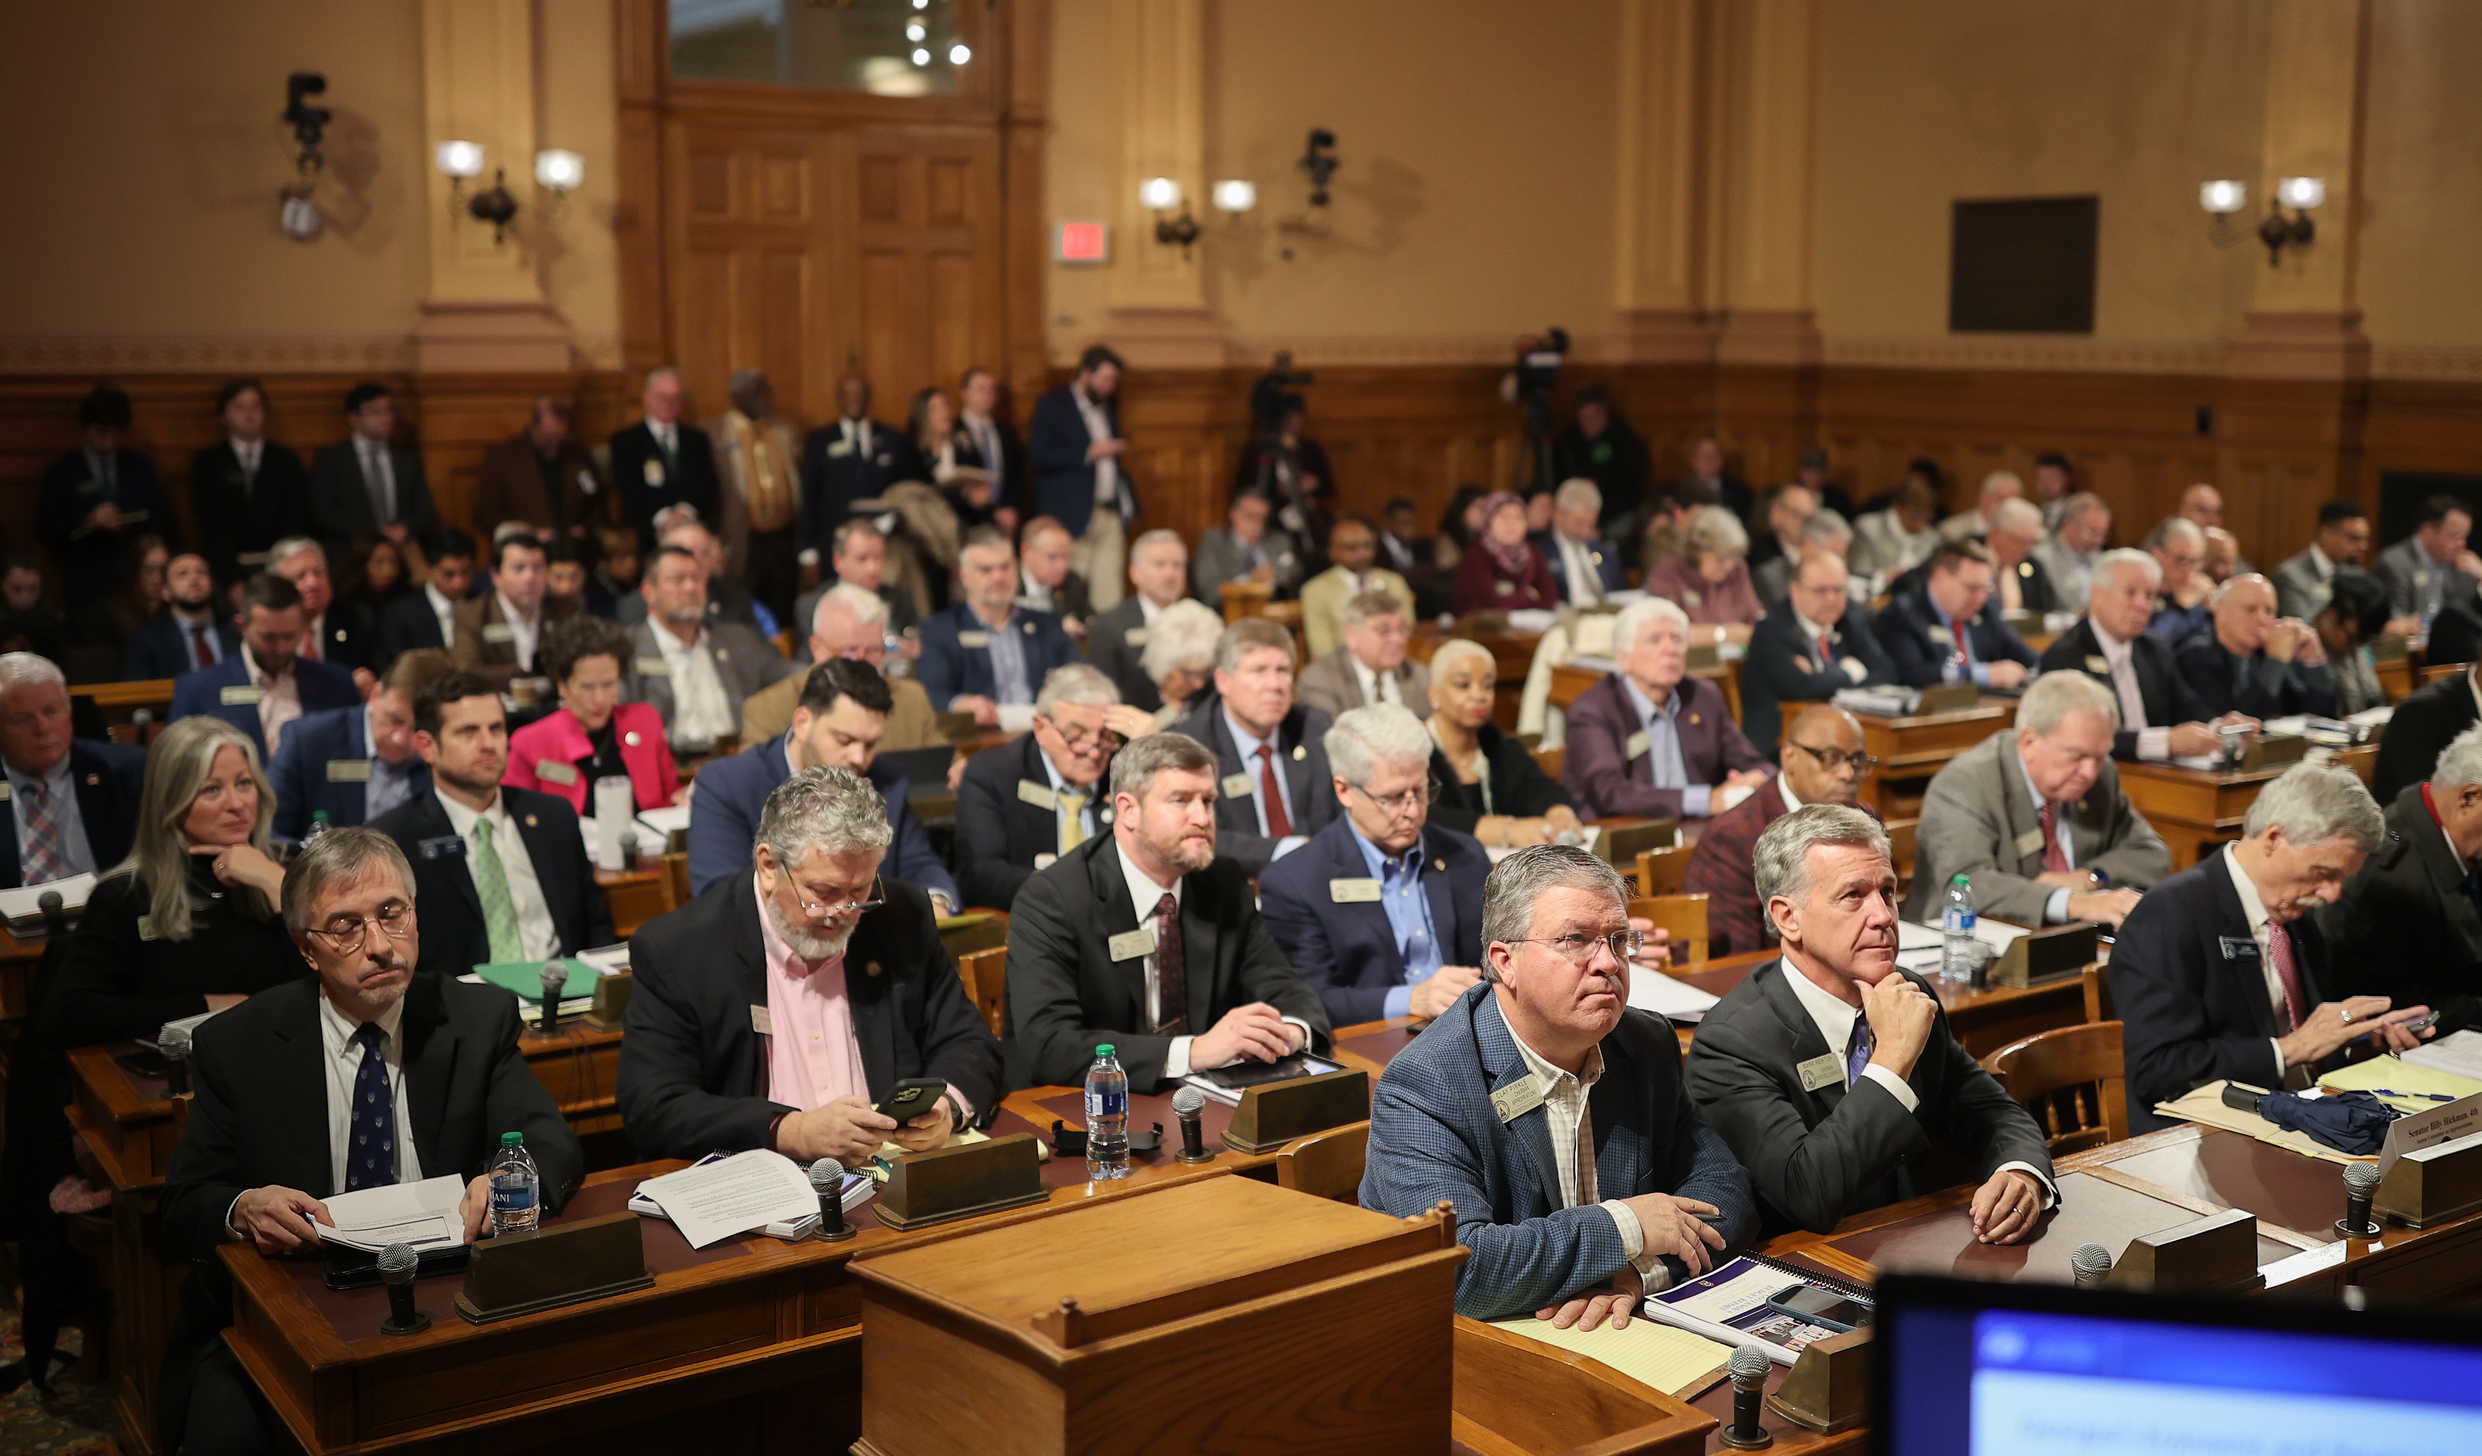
(1967, 1368)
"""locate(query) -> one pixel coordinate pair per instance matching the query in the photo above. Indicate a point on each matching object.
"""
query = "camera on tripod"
(1529, 387)
(1538, 363)
(1271, 398)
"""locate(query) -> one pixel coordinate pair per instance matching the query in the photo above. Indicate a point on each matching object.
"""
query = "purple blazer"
(1604, 780)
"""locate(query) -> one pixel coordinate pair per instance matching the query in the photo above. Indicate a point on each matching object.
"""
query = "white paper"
(607, 959)
(1672, 999)
(712, 1202)
(1498, 852)
(1532, 619)
(23, 906)
(660, 822)
(1913, 936)
(2373, 717)
(858, 1188)
(422, 1214)
(2459, 1052)
(1016, 717)
(189, 1024)
(1594, 664)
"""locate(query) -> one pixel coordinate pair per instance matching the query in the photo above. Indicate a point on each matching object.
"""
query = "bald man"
(2248, 660)
(1823, 764)
(849, 621)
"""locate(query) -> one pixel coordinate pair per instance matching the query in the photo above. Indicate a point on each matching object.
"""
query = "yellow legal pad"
(1674, 1361)
(2399, 1075)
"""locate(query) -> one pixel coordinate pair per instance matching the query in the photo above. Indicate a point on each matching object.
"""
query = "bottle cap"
(1104, 1050)
(512, 1139)
(1960, 880)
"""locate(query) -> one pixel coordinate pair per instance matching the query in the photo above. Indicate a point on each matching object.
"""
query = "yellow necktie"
(1072, 820)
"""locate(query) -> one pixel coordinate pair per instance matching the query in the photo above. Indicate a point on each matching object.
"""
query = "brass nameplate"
(2051, 953)
(957, 727)
(1482, 624)
(2274, 750)
(612, 994)
(567, 1264)
(1623, 845)
(962, 935)
(1275, 1114)
(1829, 1387)
(2433, 1184)
(960, 1182)
(2391, 648)
(1948, 698)
(1706, 655)
(2217, 1252)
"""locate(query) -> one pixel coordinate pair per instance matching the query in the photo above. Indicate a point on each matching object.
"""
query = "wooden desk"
(2195, 811)
(1984, 1021)
(118, 700)
(1912, 749)
(634, 897)
(18, 959)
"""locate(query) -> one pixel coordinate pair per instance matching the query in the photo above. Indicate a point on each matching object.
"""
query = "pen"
(2392, 1092)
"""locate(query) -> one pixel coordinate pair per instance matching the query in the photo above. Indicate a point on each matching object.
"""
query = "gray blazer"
(1331, 684)
(744, 662)
(1979, 820)
(1220, 559)
(2417, 585)
(2298, 591)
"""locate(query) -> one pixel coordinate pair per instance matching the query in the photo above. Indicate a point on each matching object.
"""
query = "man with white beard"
(783, 1006)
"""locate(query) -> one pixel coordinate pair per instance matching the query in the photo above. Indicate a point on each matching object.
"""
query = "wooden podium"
(1216, 1313)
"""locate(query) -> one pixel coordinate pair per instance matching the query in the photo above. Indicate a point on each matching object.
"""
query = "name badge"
(1517, 1099)
(1823, 1070)
(1135, 636)
(654, 667)
(244, 696)
(1239, 786)
(1637, 744)
(1505, 588)
(1361, 891)
(1045, 861)
(446, 846)
(348, 770)
(499, 632)
(146, 927)
(761, 1022)
(2030, 842)
(2238, 947)
(840, 449)
(654, 472)
(553, 771)
(1938, 635)
(1133, 945)
(1039, 795)
(973, 639)
(4, 791)
(2099, 664)
(1689, 599)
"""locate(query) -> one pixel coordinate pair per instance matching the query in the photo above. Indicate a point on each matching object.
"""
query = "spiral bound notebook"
(1730, 1304)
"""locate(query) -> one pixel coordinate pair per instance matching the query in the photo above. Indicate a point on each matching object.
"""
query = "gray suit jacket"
(2298, 591)
(1220, 559)
(744, 662)
(1331, 684)
(2418, 586)
(1979, 820)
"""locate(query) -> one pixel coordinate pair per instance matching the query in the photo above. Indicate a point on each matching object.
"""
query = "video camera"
(1271, 398)
(1538, 363)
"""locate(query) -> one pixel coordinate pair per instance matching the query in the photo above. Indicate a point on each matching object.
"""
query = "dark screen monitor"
(1968, 1368)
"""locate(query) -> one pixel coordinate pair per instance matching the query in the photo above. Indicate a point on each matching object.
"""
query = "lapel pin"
(630, 738)
(530, 824)
(1300, 753)
(1439, 864)
(93, 779)
(871, 969)
(1693, 720)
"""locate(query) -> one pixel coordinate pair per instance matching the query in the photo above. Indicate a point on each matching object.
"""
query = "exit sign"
(1083, 242)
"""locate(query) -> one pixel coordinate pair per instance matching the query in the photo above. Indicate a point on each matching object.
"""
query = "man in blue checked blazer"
(1553, 1117)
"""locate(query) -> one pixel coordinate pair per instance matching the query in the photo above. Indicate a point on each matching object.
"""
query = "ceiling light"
(959, 54)
(915, 31)
(461, 159)
(921, 56)
(2222, 198)
(1159, 194)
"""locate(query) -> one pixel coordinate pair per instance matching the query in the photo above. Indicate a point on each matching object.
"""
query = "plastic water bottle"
(516, 1188)
(1107, 1117)
(318, 826)
(1957, 954)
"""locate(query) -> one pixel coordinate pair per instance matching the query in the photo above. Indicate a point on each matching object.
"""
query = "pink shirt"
(813, 1056)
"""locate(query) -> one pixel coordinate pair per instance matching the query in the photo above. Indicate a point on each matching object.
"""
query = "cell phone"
(913, 1097)
(1822, 1307)
(2421, 1023)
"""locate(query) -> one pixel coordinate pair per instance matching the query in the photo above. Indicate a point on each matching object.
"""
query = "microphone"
(2361, 1184)
(174, 1041)
(555, 979)
(396, 1269)
(1187, 1103)
(2091, 1263)
(55, 915)
(1749, 1366)
(827, 1179)
(140, 720)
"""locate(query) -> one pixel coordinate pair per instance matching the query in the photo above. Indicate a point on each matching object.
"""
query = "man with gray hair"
(660, 461)
(847, 620)
(1381, 912)
(2085, 526)
(1585, 564)
(1369, 665)
(1650, 739)
(1552, 1115)
(72, 805)
(2161, 716)
(1159, 576)
(1831, 1072)
(2035, 820)
(1147, 939)
(1983, 519)
(332, 630)
(2221, 972)
(2178, 546)
(1180, 657)
(2412, 914)
(1269, 748)
(780, 1008)
(1821, 530)
(1024, 804)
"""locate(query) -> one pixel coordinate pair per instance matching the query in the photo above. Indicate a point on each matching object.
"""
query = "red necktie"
(1826, 653)
(1171, 973)
(2054, 858)
(2279, 948)
(1956, 629)
(1279, 825)
(310, 645)
(202, 646)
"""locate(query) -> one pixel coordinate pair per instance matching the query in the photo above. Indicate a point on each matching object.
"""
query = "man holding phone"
(805, 1004)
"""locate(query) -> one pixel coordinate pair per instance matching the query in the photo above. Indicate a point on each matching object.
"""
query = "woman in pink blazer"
(1710, 581)
(594, 734)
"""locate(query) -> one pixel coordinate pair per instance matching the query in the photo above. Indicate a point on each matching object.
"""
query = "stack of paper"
(1885, 702)
(24, 909)
(525, 980)
(1498, 852)
(1674, 1361)
(189, 1024)
(716, 1198)
(2459, 1052)
(2401, 1083)
(1532, 619)
(1674, 1000)
(661, 822)
(423, 1215)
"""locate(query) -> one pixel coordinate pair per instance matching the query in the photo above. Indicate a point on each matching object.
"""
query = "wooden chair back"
(985, 974)
(2432, 674)
(1900, 841)
(1550, 761)
(2071, 1079)
(1663, 871)
(1327, 1164)
(1684, 916)
(2097, 983)
(676, 880)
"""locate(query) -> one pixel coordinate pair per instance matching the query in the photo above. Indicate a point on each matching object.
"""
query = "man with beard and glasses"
(1209, 987)
(503, 869)
(189, 635)
(780, 1007)
(364, 1075)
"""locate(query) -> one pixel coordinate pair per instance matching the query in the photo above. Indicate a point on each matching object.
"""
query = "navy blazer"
(1347, 950)
(831, 482)
(454, 940)
(239, 515)
(93, 563)
(1003, 834)
(2257, 685)
(322, 685)
(1434, 1135)
(949, 668)
(690, 477)
(732, 792)
(301, 778)
(1609, 564)
(2167, 696)
(1770, 677)
(1909, 630)
(1056, 442)
(404, 625)
(106, 777)
(160, 648)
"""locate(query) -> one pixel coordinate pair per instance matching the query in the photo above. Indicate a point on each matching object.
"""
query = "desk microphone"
(555, 980)
(139, 722)
(2092, 1263)
(827, 1179)
(55, 915)
(1186, 1105)
(1749, 1366)
(174, 1043)
(396, 1269)
(2361, 1184)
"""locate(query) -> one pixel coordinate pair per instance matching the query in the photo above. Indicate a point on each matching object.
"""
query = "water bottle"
(1957, 952)
(318, 826)
(1107, 1117)
(516, 1188)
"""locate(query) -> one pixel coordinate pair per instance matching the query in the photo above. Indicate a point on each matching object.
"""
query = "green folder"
(526, 978)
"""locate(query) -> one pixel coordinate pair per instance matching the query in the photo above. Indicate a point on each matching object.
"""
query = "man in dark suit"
(1650, 739)
(1831, 1073)
(72, 806)
(2219, 973)
(2421, 729)
(1709, 483)
(1602, 447)
(246, 491)
(1952, 614)
(842, 716)
(189, 634)
(1116, 642)
(539, 476)
(2411, 915)
(2160, 715)
(503, 869)
(1147, 938)
(1073, 452)
(354, 764)
(365, 484)
(986, 651)
(1270, 749)
(660, 461)
(1812, 647)
(1022, 806)
(436, 1080)
(1045, 580)
(996, 446)
(428, 618)
(2456, 633)
(333, 629)
(500, 633)
(1588, 567)
(780, 1007)
(1824, 764)
(266, 684)
(850, 458)
(2249, 661)
(96, 500)
(1380, 912)
(1478, 1111)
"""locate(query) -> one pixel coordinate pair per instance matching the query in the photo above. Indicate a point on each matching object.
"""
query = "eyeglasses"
(345, 934)
(878, 897)
(1832, 759)
(1411, 801)
(1080, 739)
(1624, 945)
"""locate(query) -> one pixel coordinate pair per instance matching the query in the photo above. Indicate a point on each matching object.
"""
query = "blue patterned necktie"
(1859, 1057)
(370, 1158)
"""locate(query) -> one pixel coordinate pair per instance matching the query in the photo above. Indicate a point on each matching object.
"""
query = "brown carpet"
(71, 1423)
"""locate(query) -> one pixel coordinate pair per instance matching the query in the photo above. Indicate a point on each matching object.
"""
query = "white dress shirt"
(536, 939)
(524, 631)
(2154, 740)
(1107, 469)
(1375, 689)
(986, 437)
(444, 609)
(666, 435)
(248, 453)
(1585, 579)
(280, 698)
(1145, 894)
(700, 711)
(344, 1065)
(2295, 1078)
(378, 476)
(1572, 1148)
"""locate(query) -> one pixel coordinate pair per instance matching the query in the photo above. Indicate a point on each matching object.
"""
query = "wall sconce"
(1159, 195)
(1319, 160)
(2225, 199)
(296, 213)
(1236, 196)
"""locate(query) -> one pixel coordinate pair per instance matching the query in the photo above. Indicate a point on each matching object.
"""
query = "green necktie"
(499, 911)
